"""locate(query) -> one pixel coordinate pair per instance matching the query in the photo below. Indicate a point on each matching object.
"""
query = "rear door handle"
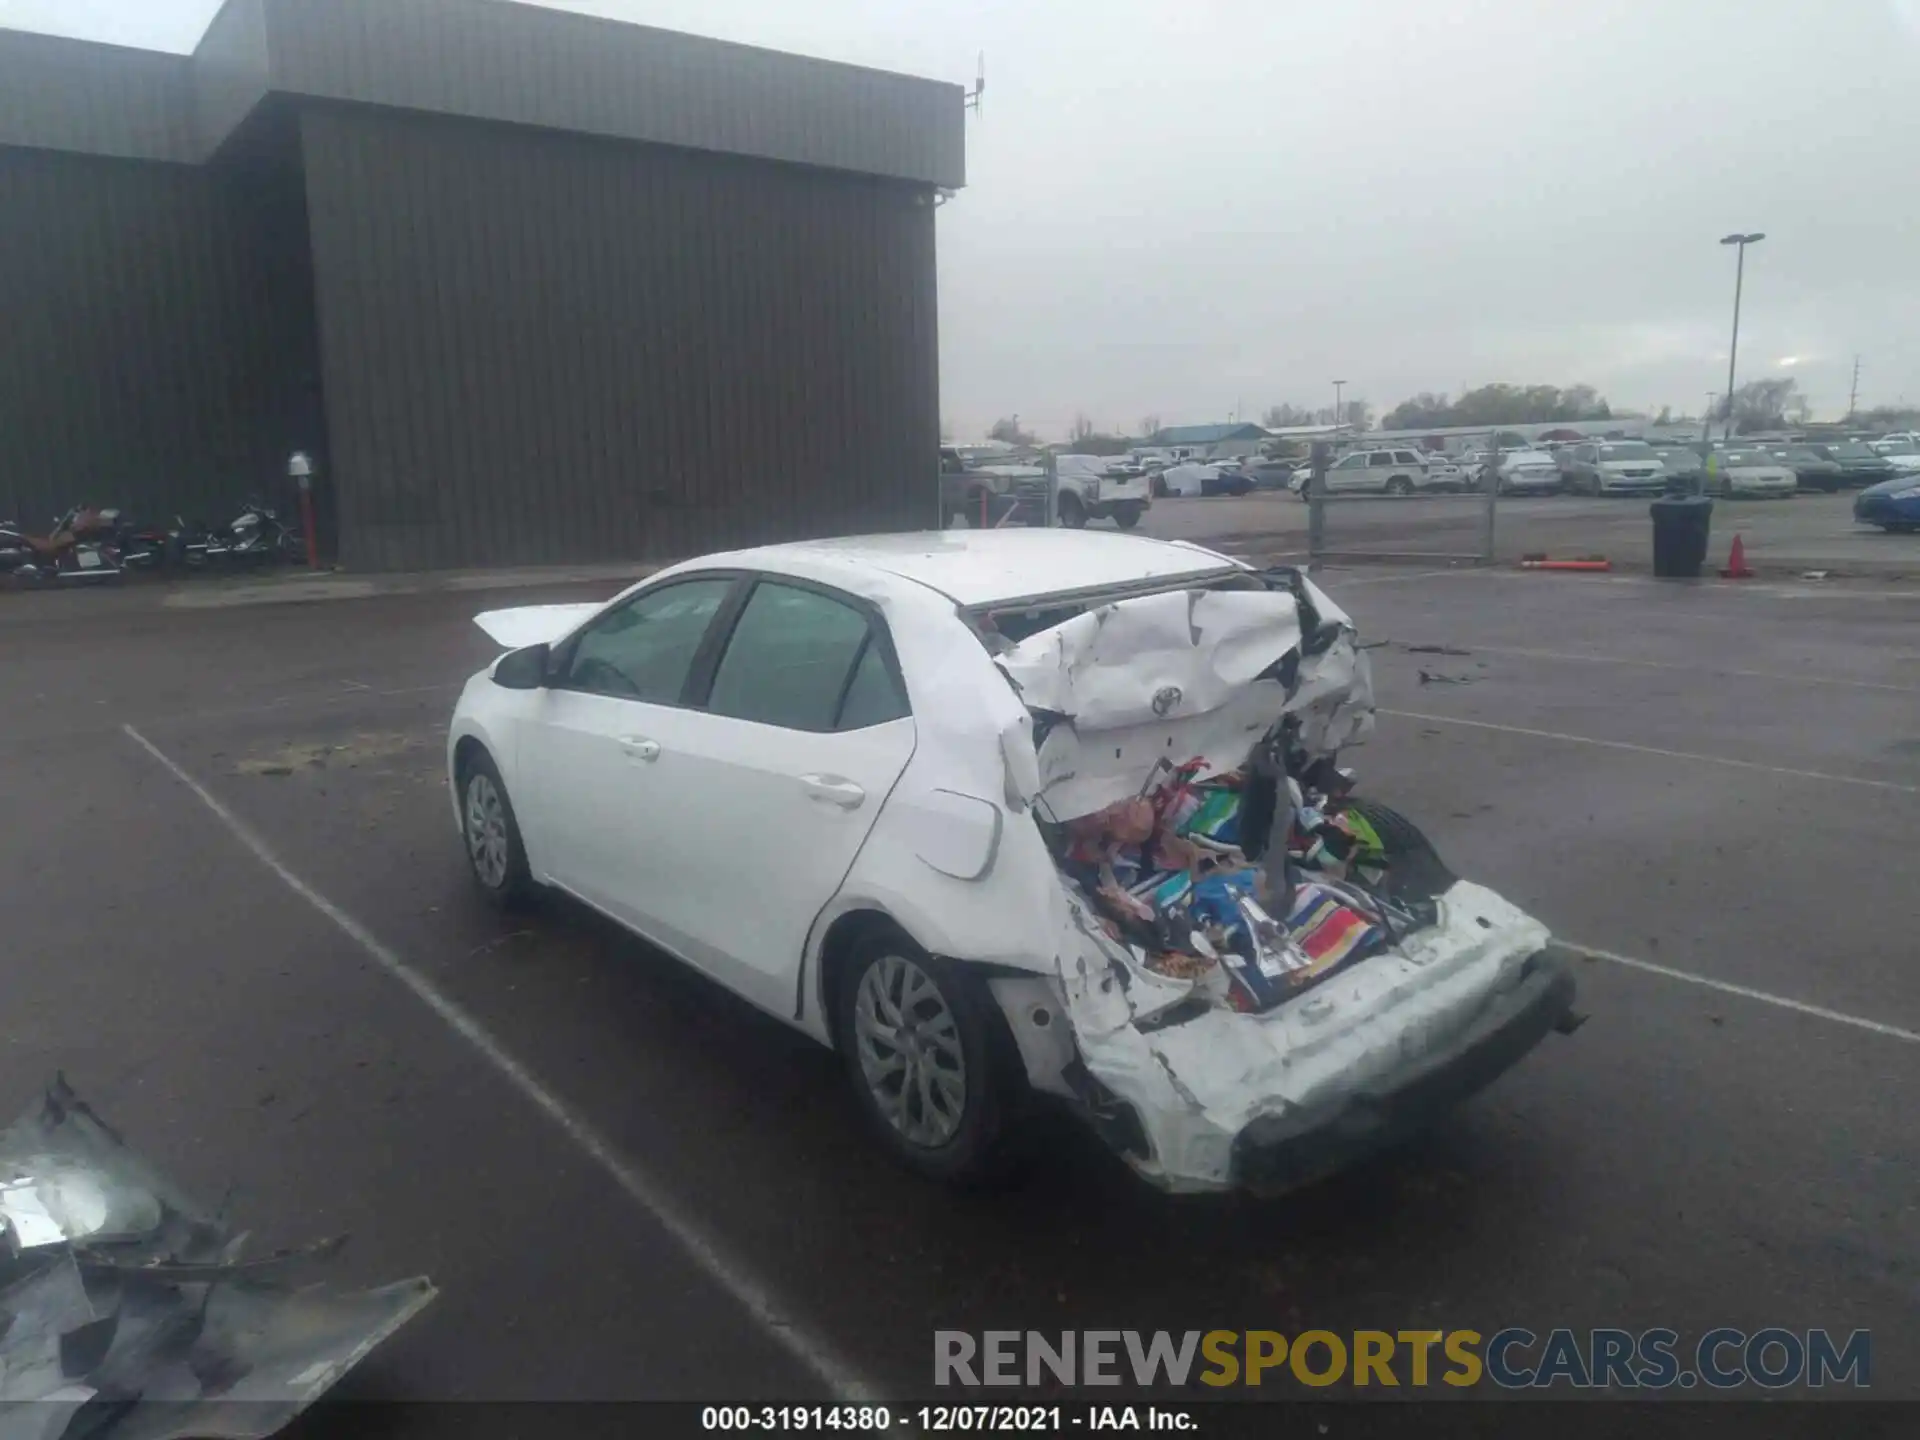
(639, 747)
(834, 790)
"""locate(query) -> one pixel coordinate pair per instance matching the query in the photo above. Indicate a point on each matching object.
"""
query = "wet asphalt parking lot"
(238, 920)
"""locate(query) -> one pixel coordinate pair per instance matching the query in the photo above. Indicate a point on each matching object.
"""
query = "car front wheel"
(495, 853)
(922, 1052)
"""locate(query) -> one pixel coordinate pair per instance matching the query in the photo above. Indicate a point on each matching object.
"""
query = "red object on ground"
(1737, 561)
(306, 522)
(1566, 565)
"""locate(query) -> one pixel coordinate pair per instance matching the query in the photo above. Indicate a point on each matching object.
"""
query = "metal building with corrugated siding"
(532, 287)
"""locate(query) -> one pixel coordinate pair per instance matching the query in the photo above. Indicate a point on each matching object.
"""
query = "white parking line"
(1726, 760)
(1692, 669)
(1745, 992)
(705, 1250)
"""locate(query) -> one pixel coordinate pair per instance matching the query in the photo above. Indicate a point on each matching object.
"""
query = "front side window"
(804, 661)
(645, 649)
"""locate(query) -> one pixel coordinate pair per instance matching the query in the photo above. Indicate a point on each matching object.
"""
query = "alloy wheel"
(908, 1044)
(487, 831)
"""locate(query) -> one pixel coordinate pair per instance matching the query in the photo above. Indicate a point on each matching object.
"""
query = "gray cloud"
(1177, 207)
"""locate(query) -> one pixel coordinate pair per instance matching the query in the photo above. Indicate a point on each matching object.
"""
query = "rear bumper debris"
(1276, 1153)
(131, 1312)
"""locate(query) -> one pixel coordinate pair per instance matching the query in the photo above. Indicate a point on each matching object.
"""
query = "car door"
(589, 760)
(1349, 473)
(1380, 469)
(799, 728)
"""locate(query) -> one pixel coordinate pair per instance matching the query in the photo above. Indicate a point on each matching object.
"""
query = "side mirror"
(523, 669)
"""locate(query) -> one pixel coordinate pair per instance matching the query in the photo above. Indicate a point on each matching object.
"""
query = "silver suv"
(1386, 472)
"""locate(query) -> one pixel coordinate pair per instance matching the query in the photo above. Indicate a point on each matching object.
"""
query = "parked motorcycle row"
(89, 546)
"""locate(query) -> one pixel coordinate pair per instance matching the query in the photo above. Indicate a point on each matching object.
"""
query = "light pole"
(1733, 350)
(1706, 426)
(1338, 385)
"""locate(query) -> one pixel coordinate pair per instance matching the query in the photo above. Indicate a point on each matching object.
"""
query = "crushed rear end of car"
(1264, 975)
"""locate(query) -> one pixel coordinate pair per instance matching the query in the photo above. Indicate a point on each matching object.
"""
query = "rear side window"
(645, 649)
(1380, 460)
(803, 661)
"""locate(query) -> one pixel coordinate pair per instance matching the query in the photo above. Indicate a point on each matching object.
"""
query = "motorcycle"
(80, 549)
(256, 536)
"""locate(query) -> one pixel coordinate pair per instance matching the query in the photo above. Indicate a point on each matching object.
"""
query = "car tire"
(1898, 527)
(1127, 516)
(496, 855)
(1399, 485)
(961, 1061)
(1073, 514)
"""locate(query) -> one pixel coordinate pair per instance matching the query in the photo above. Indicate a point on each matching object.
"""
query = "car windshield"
(1853, 450)
(1746, 457)
(1799, 454)
(1633, 450)
(1900, 447)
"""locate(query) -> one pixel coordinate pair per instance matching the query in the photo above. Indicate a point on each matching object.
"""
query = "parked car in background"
(1896, 438)
(1903, 456)
(1612, 467)
(1815, 471)
(1749, 470)
(1273, 474)
(1527, 472)
(1382, 472)
(1859, 462)
(1444, 473)
(1101, 487)
(1682, 464)
(1212, 477)
(1893, 505)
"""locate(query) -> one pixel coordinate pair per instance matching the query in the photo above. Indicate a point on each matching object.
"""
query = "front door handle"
(639, 747)
(834, 790)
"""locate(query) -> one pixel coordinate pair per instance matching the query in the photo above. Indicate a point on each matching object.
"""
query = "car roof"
(985, 567)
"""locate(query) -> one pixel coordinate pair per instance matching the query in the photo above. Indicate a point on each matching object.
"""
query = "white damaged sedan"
(1011, 814)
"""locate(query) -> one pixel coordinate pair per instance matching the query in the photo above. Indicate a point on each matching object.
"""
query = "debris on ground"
(1436, 650)
(1816, 574)
(1432, 677)
(128, 1310)
(1541, 561)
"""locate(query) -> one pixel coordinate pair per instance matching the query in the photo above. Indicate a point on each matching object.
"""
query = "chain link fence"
(1394, 503)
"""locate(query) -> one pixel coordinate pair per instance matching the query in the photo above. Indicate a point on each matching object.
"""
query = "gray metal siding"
(492, 60)
(60, 94)
(539, 348)
(158, 341)
(231, 72)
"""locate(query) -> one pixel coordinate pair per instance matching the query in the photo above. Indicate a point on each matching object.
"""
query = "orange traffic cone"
(1737, 561)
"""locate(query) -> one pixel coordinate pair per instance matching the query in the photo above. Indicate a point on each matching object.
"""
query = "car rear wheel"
(923, 1052)
(1127, 516)
(495, 853)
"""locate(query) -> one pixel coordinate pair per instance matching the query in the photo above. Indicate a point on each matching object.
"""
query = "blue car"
(1893, 505)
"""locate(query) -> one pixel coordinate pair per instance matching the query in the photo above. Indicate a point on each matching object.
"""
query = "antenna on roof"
(971, 100)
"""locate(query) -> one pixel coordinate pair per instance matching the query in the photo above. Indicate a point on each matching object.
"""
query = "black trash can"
(1680, 525)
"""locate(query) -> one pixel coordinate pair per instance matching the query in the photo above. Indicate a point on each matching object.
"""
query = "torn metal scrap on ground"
(1433, 677)
(129, 1313)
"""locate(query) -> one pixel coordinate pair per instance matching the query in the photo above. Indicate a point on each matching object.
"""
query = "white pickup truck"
(1101, 487)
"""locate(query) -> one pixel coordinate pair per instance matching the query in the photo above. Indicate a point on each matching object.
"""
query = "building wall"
(157, 348)
(545, 348)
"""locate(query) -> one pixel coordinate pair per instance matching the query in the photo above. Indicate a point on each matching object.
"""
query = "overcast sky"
(1180, 207)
